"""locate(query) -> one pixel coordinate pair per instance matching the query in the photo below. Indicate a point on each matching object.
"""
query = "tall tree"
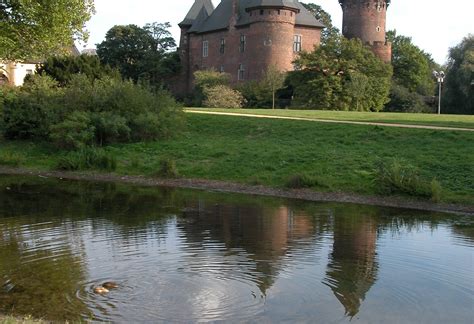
(320, 14)
(39, 28)
(341, 74)
(412, 67)
(459, 86)
(140, 53)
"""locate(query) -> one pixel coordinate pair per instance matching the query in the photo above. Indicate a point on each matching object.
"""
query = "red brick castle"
(245, 37)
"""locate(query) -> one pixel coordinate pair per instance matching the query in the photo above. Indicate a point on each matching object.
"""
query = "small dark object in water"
(110, 285)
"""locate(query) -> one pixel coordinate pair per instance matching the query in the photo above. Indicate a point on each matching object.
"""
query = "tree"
(273, 80)
(341, 75)
(140, 53)
(62, 68)
(459, 86)
(318, 12)
(35, 29)
(412, 67)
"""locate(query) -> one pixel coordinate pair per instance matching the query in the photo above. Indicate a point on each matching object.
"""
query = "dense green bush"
(167, 169)
(63, 68)
(205, 79)
(221, 96)
(34, 109)
(403, 100)
(303, 180)
(89, 112)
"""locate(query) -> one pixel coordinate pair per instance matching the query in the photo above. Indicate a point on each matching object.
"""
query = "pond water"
(187, 256)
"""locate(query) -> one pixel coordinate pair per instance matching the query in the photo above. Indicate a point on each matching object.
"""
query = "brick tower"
(366, 20)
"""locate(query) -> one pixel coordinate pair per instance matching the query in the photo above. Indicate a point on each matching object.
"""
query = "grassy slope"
(267, 151)
(464, 121)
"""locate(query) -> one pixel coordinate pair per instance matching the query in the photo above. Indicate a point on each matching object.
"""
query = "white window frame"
(241, 72)
(205, 48)
(297, 43)
(242, 43)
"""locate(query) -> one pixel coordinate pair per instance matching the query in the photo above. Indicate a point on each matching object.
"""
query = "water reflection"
(352, 269)
(187, 255)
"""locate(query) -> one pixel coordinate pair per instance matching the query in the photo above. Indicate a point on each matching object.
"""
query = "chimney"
(235, 13)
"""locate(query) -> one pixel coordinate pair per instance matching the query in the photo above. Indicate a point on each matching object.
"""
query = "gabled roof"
(195, 11)
(219, 18)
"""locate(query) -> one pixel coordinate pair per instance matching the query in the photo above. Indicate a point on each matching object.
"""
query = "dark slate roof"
(195, 11)
(273, 3)
(219, 18)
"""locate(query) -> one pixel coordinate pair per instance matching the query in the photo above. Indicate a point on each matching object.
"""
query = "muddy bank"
(223, 186)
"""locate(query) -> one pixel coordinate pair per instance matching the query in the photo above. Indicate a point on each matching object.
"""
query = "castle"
(245, 37)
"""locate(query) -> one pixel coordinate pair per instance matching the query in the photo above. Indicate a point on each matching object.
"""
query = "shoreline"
(231, 187)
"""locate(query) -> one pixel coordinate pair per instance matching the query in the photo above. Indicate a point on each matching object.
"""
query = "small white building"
(14, 73)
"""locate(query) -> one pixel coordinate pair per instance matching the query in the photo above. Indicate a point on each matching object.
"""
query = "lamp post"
(440, 78)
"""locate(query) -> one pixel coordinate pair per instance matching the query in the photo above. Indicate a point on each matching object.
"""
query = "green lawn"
(268, 151)
(463, 121)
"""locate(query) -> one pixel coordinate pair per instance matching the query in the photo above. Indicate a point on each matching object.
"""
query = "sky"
(433, 25)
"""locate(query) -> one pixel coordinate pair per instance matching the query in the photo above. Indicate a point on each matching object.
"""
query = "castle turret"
(366, 20)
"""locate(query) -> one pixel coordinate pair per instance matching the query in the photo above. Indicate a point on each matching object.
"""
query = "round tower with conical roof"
(366, 20)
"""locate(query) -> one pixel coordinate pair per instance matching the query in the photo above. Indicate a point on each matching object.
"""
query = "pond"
(188, 256)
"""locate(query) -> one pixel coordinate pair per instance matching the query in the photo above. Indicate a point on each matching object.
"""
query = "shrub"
(402, 100)
(87, 159)
(167, 169)
(396, 177)
(75, 132)
(32, 112)
(11, 159)
(221, 96)
(112, 109)
(204, 79)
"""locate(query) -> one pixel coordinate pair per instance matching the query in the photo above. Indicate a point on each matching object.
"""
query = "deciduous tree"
(459, 86)
(38, 28)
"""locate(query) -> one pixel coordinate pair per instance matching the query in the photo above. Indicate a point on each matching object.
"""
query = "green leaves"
(341, 75)
(32, 29)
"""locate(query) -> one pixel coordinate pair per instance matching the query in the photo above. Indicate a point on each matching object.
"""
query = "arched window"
(3, 79)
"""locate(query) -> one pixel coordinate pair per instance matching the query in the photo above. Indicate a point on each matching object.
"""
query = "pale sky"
(434, 25)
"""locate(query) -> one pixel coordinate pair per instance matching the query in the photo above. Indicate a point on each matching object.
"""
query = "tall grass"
(398, 177)
(87, 159)
(11, 158)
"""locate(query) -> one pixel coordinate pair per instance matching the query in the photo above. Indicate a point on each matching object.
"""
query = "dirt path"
(332, 121)
(222, 186)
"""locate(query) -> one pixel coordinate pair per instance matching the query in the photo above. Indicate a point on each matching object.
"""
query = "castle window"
(222, 47)
(297, 43)
(279, 11)
(243, 44)
(205, 49)
(222, 69)
(261, 12)
(378, 29)
(241, 72)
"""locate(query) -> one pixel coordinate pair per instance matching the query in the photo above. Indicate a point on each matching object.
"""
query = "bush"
(204, 79)
(167, 169)
(75, 132)
(396, 177)
(34, 109)
(111, 109)
(221, 96)
(87, 159)
(402, 100)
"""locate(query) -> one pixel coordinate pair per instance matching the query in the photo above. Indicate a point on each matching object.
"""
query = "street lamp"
(440, 78)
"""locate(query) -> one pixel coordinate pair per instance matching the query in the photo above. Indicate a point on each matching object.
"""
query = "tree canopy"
(32, 29)
(341, 74)
(140, 52)
(412, 67)
(318, 12)
(459, 86)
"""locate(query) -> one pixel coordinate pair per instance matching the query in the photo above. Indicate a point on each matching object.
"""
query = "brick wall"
(269, 41)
